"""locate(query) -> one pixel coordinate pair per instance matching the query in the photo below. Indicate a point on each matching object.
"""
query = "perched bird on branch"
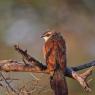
(55, 55)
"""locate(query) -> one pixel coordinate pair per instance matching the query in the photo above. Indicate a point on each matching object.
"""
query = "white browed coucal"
(55, 54)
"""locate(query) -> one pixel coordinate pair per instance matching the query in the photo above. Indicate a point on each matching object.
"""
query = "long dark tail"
(58, 83)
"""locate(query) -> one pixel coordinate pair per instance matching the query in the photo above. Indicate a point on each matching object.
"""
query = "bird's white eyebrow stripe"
(47, 33)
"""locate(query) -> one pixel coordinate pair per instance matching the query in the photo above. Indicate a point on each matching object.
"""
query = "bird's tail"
(58, 83)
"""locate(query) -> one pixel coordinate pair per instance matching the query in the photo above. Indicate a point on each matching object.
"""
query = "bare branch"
(12, 65)
(82, 78)
(15, 66)
(84, 66)
(34, 65)
(29, 58)
(87, 73)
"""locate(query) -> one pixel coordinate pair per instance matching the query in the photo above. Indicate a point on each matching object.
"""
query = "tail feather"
(58, 83)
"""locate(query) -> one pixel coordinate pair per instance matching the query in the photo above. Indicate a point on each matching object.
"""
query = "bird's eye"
(47, 35)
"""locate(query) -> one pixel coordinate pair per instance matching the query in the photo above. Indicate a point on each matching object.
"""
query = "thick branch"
(12, 65)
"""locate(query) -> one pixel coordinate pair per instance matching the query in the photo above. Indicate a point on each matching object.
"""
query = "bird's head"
(47, 35)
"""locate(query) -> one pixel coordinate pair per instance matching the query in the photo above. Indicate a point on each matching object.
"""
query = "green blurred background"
(23, 21)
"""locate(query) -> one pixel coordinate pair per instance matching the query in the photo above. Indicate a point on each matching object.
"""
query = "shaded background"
(23, 21)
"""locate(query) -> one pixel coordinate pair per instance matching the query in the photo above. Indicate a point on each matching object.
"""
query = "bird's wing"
(60, 52)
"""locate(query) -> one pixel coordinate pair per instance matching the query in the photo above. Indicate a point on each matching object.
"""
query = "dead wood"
(33, 65)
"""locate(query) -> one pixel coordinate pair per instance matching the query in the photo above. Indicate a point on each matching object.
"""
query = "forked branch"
(38, 67)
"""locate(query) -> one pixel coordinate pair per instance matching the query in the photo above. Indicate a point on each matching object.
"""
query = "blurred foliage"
(75, 19)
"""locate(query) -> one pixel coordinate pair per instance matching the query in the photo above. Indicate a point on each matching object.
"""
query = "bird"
(54, 51)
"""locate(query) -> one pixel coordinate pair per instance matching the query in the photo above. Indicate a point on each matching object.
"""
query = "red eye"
(47, 35)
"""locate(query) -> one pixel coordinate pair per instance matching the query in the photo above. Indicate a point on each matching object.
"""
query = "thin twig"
(8, 84)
